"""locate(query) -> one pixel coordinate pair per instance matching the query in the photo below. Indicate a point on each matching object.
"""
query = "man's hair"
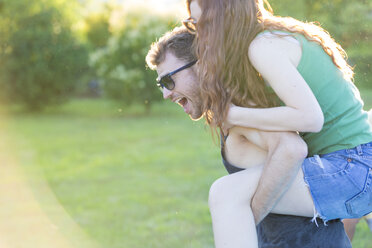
(178, 41)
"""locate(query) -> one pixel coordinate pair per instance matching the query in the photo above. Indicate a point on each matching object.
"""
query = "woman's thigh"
(296, 200)
(235, 188)
(241, 186)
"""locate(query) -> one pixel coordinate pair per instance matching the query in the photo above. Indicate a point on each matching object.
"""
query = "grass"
(127, 178)
(137, 181)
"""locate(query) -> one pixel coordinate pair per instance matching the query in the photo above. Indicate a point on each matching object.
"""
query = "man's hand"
(258, 212)
(286, 154)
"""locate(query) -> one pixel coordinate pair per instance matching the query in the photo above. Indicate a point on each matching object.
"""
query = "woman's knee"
(224, 192)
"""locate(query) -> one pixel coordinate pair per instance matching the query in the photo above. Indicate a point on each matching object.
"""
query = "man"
(174, 60)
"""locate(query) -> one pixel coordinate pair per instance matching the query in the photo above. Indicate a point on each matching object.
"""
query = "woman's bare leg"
(229, 203)
(296, 200)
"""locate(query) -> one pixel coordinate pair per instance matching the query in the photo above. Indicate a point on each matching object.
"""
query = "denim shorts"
(340, 182)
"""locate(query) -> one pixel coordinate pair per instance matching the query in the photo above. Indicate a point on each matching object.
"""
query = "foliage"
(121, 64)
(41, 59)
(98, 28)
(349, 22)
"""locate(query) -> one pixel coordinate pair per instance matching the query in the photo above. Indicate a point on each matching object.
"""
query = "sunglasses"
(167, 82)
(190, 24)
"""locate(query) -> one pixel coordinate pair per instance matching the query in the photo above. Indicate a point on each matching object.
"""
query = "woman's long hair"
(224, 32)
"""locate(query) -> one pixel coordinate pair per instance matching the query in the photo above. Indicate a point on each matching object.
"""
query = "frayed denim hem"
(317, 215)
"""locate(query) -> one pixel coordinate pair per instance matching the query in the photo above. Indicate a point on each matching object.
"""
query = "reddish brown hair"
(225, 31)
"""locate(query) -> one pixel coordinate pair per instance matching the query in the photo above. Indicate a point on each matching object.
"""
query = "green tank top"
(345, 122)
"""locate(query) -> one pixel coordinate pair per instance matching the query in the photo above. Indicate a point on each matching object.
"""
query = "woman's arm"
(302, 112)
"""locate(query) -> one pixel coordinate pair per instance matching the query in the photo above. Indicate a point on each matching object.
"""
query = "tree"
(349, 22)
(41, 59)
(98, 28)
(121, 64)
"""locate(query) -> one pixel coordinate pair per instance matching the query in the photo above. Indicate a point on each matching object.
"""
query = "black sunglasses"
(190, 24)
(167, 82)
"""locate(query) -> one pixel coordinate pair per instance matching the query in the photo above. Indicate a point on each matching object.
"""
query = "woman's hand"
(225, 128)
(226, 125)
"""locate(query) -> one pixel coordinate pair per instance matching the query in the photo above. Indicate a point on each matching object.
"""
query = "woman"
(245, 53)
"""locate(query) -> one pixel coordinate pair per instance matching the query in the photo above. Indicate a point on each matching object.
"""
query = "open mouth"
(183, 102)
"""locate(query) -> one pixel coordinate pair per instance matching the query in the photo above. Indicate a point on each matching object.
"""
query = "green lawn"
(129, 179)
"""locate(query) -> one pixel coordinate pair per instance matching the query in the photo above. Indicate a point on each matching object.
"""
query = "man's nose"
(166, 93)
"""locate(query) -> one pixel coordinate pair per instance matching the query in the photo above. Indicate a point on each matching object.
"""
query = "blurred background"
(91, 156)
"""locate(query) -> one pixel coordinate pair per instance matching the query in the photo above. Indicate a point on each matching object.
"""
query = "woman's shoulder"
(267, 45)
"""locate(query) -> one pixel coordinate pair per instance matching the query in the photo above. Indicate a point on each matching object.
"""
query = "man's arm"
(286, 152)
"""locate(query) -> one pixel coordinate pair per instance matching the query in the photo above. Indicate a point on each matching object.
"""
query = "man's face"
(186, 91)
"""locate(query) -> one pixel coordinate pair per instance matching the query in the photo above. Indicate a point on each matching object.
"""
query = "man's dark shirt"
(288, 231)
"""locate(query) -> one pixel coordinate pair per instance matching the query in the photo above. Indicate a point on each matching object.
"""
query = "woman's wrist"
(233, 115)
